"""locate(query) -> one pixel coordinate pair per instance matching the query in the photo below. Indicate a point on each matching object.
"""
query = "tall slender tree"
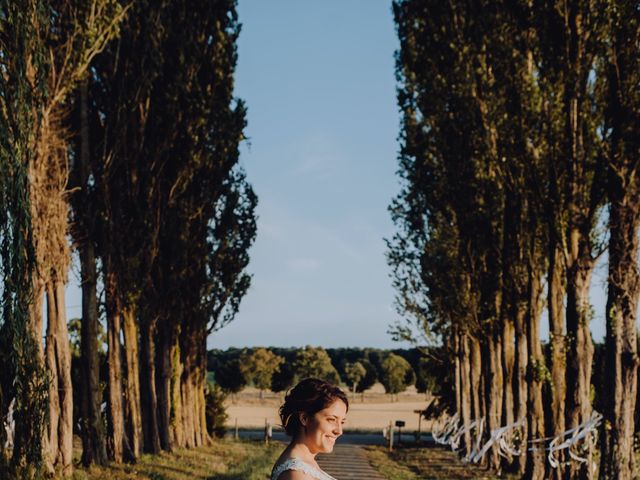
(623, 155)
(22, 86)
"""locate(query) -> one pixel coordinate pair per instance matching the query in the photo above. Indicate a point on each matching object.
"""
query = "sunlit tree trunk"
(522, 362)
(130, 330)
(579, 353)
(465, 390)
(177, 418)
(116, 411)
(476, 384)
(535, 468)
(555, 301)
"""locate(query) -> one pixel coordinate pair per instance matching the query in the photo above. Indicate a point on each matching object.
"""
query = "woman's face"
(321, 431)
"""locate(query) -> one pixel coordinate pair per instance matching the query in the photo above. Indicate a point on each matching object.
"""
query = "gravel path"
(348, 462)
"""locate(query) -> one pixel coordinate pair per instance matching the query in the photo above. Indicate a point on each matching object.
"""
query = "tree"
(425, 381)
(397, 374)
(230, 377)
(284, 378)
(259, 366)
(315, 362)
(623, 119)
(22, 84)
(355, 372)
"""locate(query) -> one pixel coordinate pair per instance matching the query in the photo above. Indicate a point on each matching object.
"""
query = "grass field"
(225, 460)
(371, 412)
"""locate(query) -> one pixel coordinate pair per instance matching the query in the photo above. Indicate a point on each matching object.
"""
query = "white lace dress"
(297, 464)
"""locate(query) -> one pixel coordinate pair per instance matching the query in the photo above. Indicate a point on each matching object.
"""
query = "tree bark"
(555, 300)
(535, 465)
(163, 381)
(177, 418)
(579, 353)
(149, 399)
(116, 412)
(92, 430)
(132, 390)
(465, 390)
(522, 362)
(476, 384)
(508, 363)
(621, 362)
(60, 388)
(493, 391)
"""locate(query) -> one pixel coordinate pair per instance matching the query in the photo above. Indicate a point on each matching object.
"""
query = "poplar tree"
(622, 120)
(22, 85)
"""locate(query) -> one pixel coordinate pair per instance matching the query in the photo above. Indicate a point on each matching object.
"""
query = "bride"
(312, 415)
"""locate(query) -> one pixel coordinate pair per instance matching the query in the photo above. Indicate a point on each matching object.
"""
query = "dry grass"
(225, 460)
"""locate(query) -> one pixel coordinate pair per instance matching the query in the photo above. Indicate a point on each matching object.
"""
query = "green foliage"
(259, 366)
(425, 379)
(315, 362)
(355, 372)
(215, 411)
(229, 377)
(397, 374)
(22, 89)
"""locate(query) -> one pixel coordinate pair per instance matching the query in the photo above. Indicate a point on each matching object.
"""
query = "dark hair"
(309, 396)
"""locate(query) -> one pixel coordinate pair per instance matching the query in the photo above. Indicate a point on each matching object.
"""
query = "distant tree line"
(119, 130)
(519, 161)
(279, 369)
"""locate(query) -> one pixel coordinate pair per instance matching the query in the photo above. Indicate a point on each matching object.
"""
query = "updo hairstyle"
(309, 396)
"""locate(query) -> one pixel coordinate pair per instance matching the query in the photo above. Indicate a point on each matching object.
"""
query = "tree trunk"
(579, 354)
(476, 385)
(149, 399)
(92, 430)
(522, 362)
(465, 390)
(133, 380)
(535, 467)
(508, 361)
(621, 362)
(177, 419)
(206, 438)
(187, 405)
(457, 352)
(60, 388)
(53, 441)
(116, 411)
(555, 300)
(493, 391)
(163, 377)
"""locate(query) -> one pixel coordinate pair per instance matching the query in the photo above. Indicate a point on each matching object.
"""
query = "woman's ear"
(303, 419)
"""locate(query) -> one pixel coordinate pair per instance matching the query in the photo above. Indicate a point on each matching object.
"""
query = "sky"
(318, 80)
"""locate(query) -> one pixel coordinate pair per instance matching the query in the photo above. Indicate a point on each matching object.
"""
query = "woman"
(312, 415)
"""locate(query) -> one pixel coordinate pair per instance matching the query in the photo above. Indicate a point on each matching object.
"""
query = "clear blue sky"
(318, 80)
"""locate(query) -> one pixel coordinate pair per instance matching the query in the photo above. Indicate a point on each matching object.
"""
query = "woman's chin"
(328, 446)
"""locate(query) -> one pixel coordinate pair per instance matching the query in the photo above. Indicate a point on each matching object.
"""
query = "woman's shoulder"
(296, 469)
(294, 475)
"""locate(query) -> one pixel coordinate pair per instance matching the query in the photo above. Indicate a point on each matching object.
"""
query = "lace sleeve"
(299, 465)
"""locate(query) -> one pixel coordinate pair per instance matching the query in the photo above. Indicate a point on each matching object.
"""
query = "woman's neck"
(300, 449)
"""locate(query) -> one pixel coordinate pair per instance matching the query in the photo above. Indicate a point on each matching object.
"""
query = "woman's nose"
(339, 429)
